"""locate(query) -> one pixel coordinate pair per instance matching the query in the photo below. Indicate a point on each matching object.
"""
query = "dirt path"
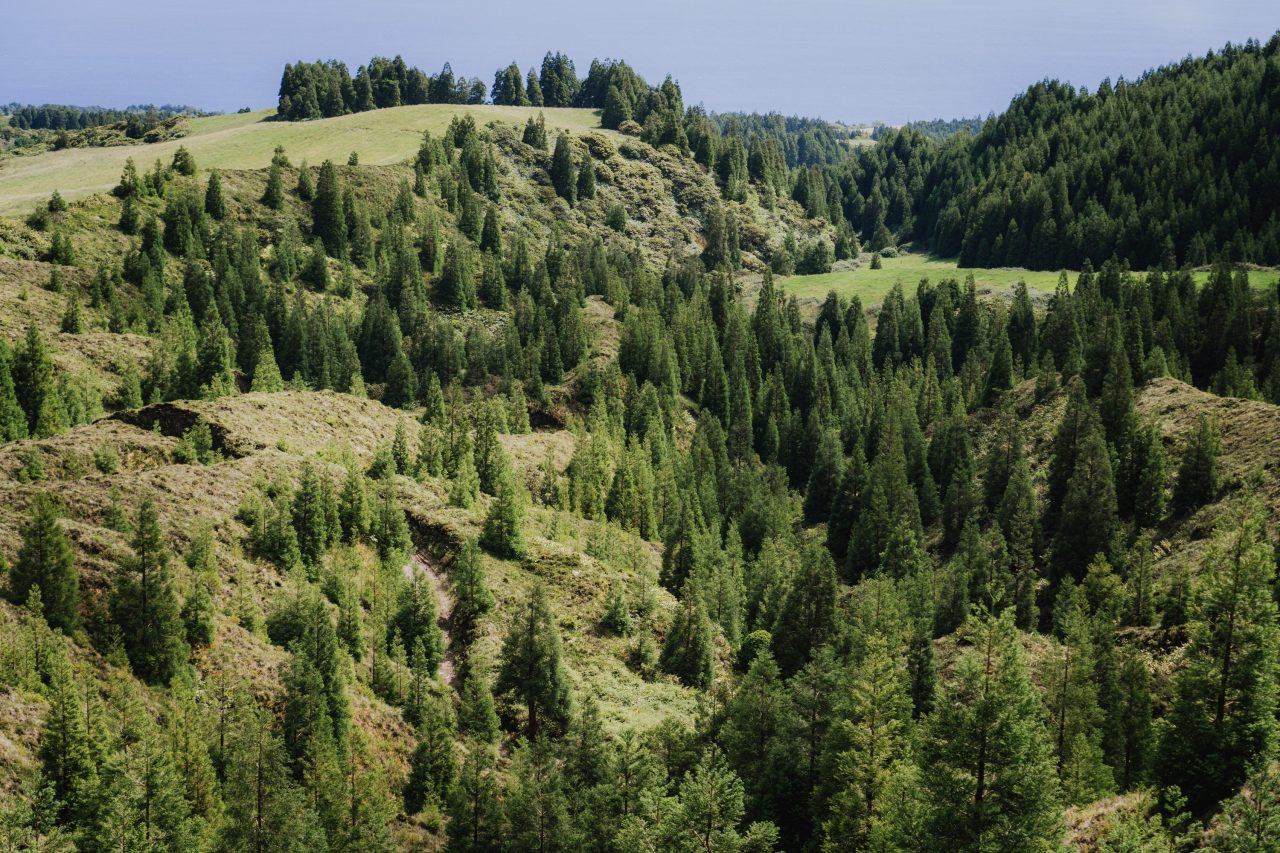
(430, 566)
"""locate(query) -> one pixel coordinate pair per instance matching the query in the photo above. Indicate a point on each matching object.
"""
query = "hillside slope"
(246, 141)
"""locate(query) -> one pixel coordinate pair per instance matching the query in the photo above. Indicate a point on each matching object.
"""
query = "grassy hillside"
(246, 140)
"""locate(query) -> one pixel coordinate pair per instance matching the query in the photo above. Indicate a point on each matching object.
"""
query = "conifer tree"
(471, 595)
(531, 670)
(273, 195)
(1088, 523)
(563, 172)
(67, 755)
(755, 732)
(1224, 706)
(389, 528)
(807, 618)
(433, 764)
(310, 515)
(1074, 715)
(868, 739)
(328, 222)
(214, 203)
(503, 526)
(13, 420)
(33, 379)
(477, 718)
(46, 560)
(306, 188)
(475, 809)
(144, 605)
(586, 187)
(1197, 482)
(688, 652)
(536, 806)
(986, 764)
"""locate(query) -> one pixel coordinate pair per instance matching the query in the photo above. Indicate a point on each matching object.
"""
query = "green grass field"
(246, 141)
(872, 285)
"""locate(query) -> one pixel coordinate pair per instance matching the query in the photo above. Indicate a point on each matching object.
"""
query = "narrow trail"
(430, 566)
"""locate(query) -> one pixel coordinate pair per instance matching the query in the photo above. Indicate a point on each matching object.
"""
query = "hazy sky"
(852, 60)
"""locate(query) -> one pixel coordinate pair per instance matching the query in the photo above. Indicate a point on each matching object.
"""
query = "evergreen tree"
(214, 203)
(46, 560)
(1088, 524)
(531, 670)
(502, 534)
(1224, 706)
(434, 763)
(33, 380)
(807, 618)
(1197, 482)
(535, 801)
(688, 652)
(563, 173)
(869, 738)
(1074, 715)
(273, 195)
(477, 718)
(471, 595)
(475, 809)
(13, 420)
(144, 605)
(68, 757)
(328, 220)
(586, 187)
(985, 763)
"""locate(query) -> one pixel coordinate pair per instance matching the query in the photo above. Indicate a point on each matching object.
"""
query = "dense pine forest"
(503, 499)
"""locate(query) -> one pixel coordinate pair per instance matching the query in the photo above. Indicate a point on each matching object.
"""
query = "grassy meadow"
(247, 140)
(871, 286)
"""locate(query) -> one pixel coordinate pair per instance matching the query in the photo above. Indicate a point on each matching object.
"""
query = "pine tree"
(13, 420)
(868, 739)
(72, 321)
(755, 732)
(477, 718)
(586, 187)
(389, 528)
(67, 755)
(144, 605)
(306, 189)
(273, 196)
(503, 534)
(1197, 482)
(46, 560)
(1088, 523)
(1074, 715)
(214, 203)
(537, 811)
(563, 173)
(456, 288)
(531, 670)
(328, 221)
(471, 595)
(1224, 706)
(265, 808)
(807, 618)
(310, 516)
(434, 763)
(33, 380)
(475, 810)
(688, 652)
(986, 764)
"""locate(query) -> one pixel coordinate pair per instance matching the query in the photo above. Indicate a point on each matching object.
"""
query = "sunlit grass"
(247, 140)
